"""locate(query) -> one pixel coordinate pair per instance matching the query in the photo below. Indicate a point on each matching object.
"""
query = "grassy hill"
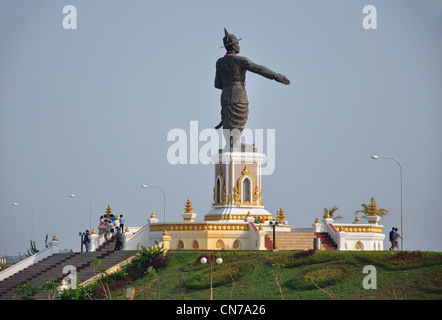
(293, 275)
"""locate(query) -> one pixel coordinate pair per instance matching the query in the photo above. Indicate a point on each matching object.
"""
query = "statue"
(230, 78)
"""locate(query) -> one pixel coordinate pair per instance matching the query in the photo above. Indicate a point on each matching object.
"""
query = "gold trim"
(200, 227)
(223, 188)
(358, 229)
(229, 216)
(230, 182)
(238, 191)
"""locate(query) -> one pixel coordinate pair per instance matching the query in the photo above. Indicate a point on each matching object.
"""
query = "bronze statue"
(230, 78)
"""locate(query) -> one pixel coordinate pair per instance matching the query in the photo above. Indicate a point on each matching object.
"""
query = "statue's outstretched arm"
(265, 72)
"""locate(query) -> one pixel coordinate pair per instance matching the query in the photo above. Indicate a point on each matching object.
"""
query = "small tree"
(371, 209)
(330, 211)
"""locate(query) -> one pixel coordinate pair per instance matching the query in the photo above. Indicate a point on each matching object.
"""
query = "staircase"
(298, 240)
(327, 242)
(51, 269)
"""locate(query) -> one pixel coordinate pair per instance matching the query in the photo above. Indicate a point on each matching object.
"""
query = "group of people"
(394, 238)
(114, 227)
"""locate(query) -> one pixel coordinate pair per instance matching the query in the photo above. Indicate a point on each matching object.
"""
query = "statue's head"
(230, 42)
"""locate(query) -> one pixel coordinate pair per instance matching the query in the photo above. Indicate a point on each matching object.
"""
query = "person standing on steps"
(87, 241)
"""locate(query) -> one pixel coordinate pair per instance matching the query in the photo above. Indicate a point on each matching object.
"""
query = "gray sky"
(88, 111)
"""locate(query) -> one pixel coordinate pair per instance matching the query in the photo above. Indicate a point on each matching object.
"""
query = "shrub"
(304, 253)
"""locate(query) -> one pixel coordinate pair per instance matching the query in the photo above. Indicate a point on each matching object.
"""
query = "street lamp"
(273, 223)
(218, 260)
(32, 210)
(164, 197)
(90, 208)
(400, 169)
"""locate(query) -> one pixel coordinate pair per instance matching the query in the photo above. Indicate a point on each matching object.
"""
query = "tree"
(371, 209)
(330, 212)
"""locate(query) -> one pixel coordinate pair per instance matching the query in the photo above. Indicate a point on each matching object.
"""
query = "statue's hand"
(282, 79)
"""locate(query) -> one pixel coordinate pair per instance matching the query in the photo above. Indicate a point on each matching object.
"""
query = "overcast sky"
(87, 111)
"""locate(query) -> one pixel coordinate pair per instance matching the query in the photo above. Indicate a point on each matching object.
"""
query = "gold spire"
(108, 211)
(316, 220)
(54, 238)
(152, 215)
(281, 216)
(188, 207)
(372, 208)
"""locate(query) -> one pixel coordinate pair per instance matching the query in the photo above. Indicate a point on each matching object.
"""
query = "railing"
(43, 254)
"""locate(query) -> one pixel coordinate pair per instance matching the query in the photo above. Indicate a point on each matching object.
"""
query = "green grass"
(324, 275)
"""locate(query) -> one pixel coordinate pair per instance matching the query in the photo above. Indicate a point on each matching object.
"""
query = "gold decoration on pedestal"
(188, 208)
(221, 191)
(108, 211)
(280, 217)
(152, 215)
(54, 238)
(238, 190)
(372, 208)
(93, 231)
(316, 220)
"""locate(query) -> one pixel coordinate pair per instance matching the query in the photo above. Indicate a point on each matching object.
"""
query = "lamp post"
(400, 169)
(204, 261)
(273, 223)
(32, 210)
(164, 197)
(90, 207)
(81, 235)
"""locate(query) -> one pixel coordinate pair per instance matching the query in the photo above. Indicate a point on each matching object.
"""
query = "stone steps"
(51, 269)
(298, 241)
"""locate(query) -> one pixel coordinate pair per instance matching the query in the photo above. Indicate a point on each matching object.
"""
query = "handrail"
(42, 254)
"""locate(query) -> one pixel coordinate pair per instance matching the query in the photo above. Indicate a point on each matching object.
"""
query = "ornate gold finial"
(108, 211)
(357, 219)
(127, 229)
(316, 220)
(249, 214)
(93, 231)
(328, 215)
(118, 217)
(152, 215)
(372, 208)
(188, 206)
(260, 227)
(54, 238)
(165, 232)
(246, 170)
(281, 216)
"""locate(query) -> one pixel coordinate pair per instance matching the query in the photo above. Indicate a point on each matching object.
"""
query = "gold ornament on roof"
(93, 231)
(108, 211)
(188, 206)
(54, 238)
(152, 215)
(316, 220)
(372, 208)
